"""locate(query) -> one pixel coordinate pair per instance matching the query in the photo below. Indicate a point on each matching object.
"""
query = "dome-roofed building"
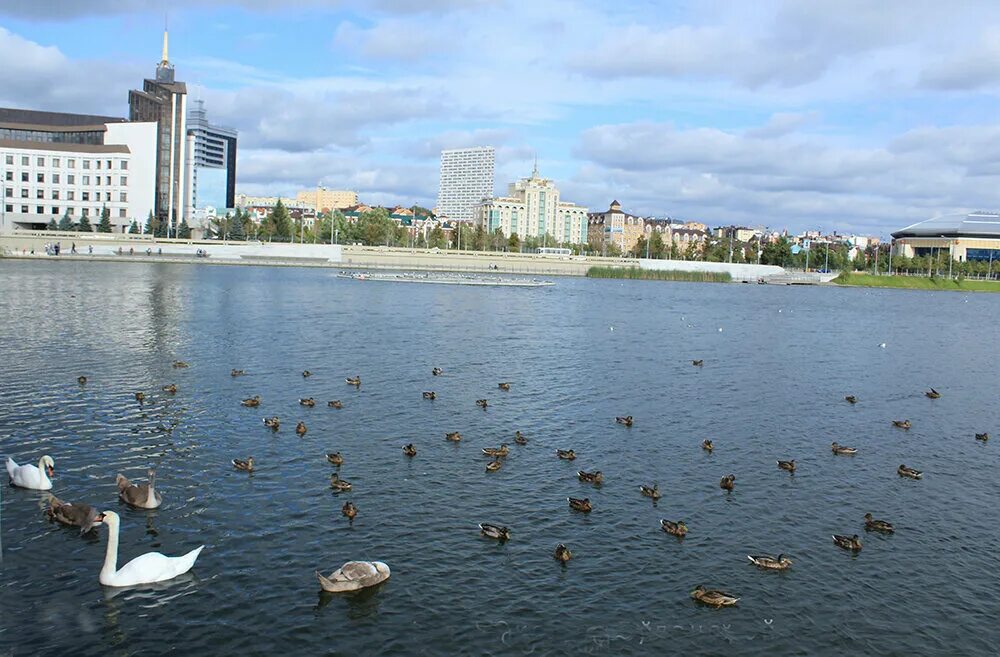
(972, 236)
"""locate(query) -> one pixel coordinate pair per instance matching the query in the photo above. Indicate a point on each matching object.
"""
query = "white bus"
(548, 250)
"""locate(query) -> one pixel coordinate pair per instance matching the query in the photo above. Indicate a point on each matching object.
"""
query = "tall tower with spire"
(163, 100)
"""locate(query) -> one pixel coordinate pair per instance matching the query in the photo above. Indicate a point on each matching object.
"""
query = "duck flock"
(155, 567)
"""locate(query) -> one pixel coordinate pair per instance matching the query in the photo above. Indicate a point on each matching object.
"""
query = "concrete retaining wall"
(739, 272)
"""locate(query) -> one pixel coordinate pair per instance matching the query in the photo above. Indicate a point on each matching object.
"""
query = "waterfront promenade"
(130, 248)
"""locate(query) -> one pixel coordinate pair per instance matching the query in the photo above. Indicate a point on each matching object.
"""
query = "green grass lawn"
(658, 275)
(917, 283)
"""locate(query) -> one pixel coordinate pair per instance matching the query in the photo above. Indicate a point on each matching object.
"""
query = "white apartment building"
(52, 164)
(466, 180)
(533, 207)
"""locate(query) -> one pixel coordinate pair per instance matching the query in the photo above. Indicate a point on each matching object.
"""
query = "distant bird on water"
(246, 466)
(308, 401)
(871, 524)
(902, 424)
(430, 395)
(437, 371)
(578, 504)
(842, 450)
(300, 428)
(624, 419)
(566, 454)
(336, 403)
(171, 388)
(81, 380)
(519, 438)
(349, 510)
(306, 374)
(851, 399)
(713, 598)
(651, 491)
(482, 403)
(707, 445)
(787, 465)
(847, 542)
(678, 529)
(252, 402)
(504, 385)
(727, 482)
(410, 450)
(562, 553)
(235, 373)
(933, 394)
(982, 436)
(698, 363)
(904, 471)
(766, 561)
(335, 458)
(354, 381)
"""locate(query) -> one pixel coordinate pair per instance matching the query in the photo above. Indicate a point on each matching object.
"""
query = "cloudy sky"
(847, 115)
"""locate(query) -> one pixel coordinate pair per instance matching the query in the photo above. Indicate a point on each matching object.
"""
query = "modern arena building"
(968, 237)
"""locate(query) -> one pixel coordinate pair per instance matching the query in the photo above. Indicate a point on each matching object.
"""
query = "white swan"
(145, 569)
(354, 575)
(31, 476)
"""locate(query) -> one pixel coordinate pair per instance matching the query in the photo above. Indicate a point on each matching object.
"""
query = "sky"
(846, 115)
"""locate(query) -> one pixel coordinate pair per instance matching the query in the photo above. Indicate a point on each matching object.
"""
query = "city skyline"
(840, 116)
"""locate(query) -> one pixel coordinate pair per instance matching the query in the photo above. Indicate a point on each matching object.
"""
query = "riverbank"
(636, 273)
(916, 283)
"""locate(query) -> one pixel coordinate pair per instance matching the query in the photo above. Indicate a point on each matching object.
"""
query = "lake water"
(778, 362)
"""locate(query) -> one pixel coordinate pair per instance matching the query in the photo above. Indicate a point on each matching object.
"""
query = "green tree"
(777, 252)
(65, 222)
(104, 226)
(237, 226)
(514, 242)
(281, 221)
(184, 231)
(152, 224)
(162, 228)
(52, 225)
(656, 245)
(133, 228)
(84, 225)
(639, 250)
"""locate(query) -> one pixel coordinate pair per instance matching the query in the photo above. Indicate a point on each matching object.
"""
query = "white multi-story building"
(466, 180)
(533, 208)
(53, 164)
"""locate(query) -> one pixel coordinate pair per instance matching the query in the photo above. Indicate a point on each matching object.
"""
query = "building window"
(39, 193)
(39, 209)
(107, 196)
(86, 212)
(107, 180)
(9, 192)
(55, 162)
(71, 164)
(124, 181)
(10, 176)
(40, 161)
(24, 209)
(10, 160)
(55, 178)
(71, 195)
(70, 179)
(55, 209)
(24, 193)
(55, 194)
(24, 161)
(121, 213)
(86, 180)
(124, 164)
(24, 176)
(40, 177)
(109, 164)
(9, 208)
(85, 196)
(86, 165)
(71, 211)
(123, 197)
(98, 164)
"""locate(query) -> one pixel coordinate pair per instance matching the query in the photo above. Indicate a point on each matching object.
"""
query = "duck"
(502, 450)
(140, 397)
(841, 450)
(624, 419)
(144, 496)
(300, 428)
(595, 477)
(982, 436)
(494, 465)
(562, 553)
(698, 363)
(494, 531)
(252, 402)
(707, 445)
(766, 561)
(873, 524)
(171, 388)
(354, 576)
(933, 394)
(179, 364)
(453, 436)
(82, 380)
(902, 424)
(338, 484)
(354, 381)
(787, 465)
(678, 529)
(851, 399)
(83, 516)
(519, 438)
(437, 371)
(503, 385)
(236, 373)
(712, 597)
(246, 466)
(650, 491)
(335, 458)
(727, 482)
(336, 403)
(904, 471)
(144, 569)
(349, 510)
(272, 423)
(847, 542)
(35, 477)
(430, 395)
(577, 504)
(566, 454)
(308, 402)
(306, 374)
(482, 403)
(409, 450)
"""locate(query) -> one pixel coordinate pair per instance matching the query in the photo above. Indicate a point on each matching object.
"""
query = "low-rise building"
(325, 200)
(52, 163)
(967, 237)
(533, 208)
(615, 226)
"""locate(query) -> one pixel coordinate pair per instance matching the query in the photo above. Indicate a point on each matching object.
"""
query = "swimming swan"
(32, 476)
(354, 575)
(144, 569)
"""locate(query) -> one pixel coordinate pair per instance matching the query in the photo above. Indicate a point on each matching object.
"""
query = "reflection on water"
(771, 388)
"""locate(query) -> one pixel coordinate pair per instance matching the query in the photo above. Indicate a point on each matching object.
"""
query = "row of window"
(56, 179)
(70, 195)
(56, 162)
(57, 211)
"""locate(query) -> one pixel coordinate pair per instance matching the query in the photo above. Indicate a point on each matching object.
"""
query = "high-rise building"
(324, 199)
(211, 161)
(466, 180)
(533, 208)
(163, 100)
(54, 164)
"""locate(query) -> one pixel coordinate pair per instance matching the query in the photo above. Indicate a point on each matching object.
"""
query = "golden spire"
(165, 60)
